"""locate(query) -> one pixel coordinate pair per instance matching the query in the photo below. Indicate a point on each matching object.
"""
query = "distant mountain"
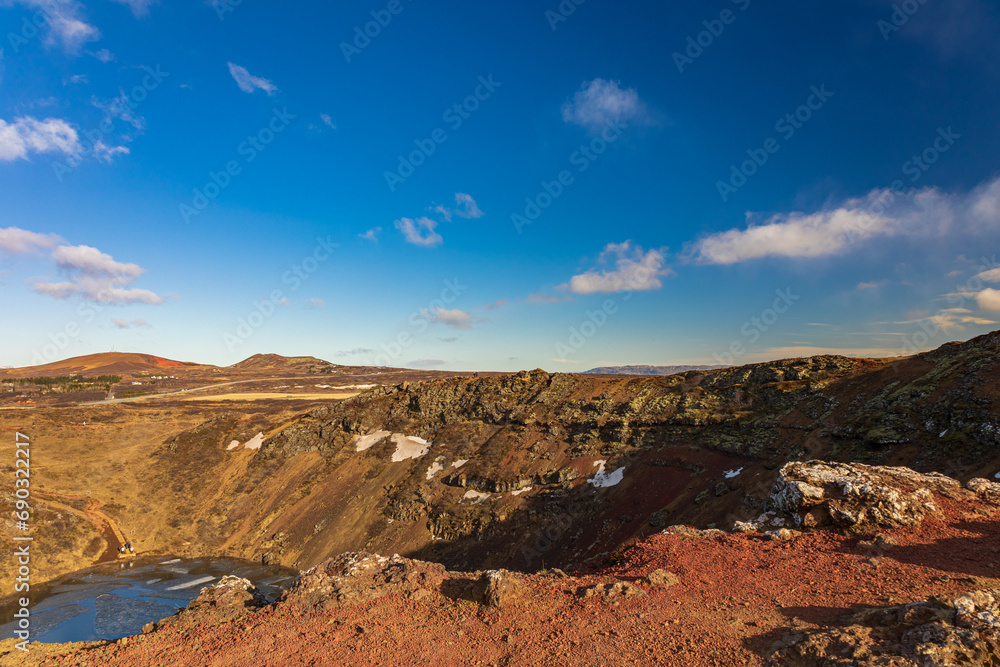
(645, 369)
(266, 361)
(104, 363)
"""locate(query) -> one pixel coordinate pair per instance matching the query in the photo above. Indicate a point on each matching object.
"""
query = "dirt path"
(193, 389)
(105, 525)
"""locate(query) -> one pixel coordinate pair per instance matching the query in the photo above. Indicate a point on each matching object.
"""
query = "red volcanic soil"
(105, 363)
(737, 594)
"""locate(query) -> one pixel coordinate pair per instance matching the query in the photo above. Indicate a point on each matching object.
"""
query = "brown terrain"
(533, 471)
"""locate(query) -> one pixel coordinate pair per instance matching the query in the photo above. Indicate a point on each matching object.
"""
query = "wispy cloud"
(950, 319)
(600, 102)
(426, 363)
(371, 234)
(420, 231)
(634, 270)
(64, 18)
(454, 317)
(465, 207)
(315, 304)
(881, 213)
(134, 324)
(139, 7)
(29, 135)
(874, 284)
(328, 121)
(248, 83)
(352, 353)
(103, 55)
(499, 303)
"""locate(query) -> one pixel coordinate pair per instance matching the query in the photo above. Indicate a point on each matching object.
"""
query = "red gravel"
(737, 595)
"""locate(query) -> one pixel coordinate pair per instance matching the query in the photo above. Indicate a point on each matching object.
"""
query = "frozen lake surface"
(116, 599)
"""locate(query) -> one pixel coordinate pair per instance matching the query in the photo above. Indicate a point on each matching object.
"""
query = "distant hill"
(104, 363)
(645, 369)
(276, 361)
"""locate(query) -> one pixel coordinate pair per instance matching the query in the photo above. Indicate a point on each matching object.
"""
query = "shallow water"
(114, 600)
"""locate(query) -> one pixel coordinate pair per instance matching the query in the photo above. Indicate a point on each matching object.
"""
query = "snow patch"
(363, 442)
(191, 584)
(520, 491)
(733, 473)
(459, 463)
(409, 447)
(434, 469)
(478, 496)
(233, 445)
(170, 562)
(604, 480)
(255, 442)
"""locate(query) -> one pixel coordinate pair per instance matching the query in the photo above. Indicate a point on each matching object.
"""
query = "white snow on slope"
(604, 480)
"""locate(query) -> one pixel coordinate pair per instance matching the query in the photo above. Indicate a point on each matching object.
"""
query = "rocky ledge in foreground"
(681, 597)
(936, 632)
(858, 497)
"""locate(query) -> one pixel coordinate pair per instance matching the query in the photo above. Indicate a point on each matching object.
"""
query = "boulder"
(931, 633)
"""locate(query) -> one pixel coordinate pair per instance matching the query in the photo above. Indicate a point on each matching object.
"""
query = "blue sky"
(518, 185)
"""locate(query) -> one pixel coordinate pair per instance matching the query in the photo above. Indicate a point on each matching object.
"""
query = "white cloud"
(371, 234)
(466, 207)
(64, 18)
(30, 135)
(137, 323)
(989, 299)
(315, 304)
(634, 270)
(328, 121)
(75, 79)
(119, 108)
(139, 7)
(18, 241)
(875, 284)
(881, 213)
(419, 232)
(991, 276)
(455, 318)
(103, 55)
(248, 82)
(601, 102)
(956, 318)
(96, 276)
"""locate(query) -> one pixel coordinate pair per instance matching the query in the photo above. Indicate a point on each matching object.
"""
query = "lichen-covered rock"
(985, 489)
(662, 578)
(230, 598)
(352, 578)
(816, 493)
(498, 587)
(931, 633)
(611, 592)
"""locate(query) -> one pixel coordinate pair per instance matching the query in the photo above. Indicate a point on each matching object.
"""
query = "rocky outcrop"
(931, 633)
(855, 496)
(354, 578)
(231, 598)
